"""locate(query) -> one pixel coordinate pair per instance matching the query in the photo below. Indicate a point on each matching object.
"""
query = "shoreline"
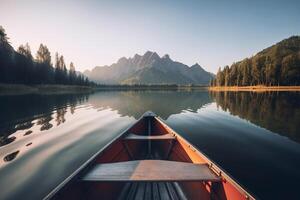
(149, 87)
(17, 89)
(256, 88)
(11, 89)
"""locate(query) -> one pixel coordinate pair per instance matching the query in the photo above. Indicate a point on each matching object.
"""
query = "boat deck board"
(132, 136)
(150, 170)
(151, 191)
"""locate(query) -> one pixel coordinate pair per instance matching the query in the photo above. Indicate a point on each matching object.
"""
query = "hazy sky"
(90, 33)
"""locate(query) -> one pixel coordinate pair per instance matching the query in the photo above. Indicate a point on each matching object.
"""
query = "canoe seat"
(150, 170)
(132, 136)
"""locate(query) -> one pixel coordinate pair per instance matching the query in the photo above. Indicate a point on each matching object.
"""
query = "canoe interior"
(133, 145)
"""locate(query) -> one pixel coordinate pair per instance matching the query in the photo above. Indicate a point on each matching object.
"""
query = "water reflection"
(60, 116)
(17, 150)
(28, 132)
(278, 112)
(270, 110)
(11, 156)
(6, 140)
(30, 143)
(163, 103)
(42, 135)
(25, 125)
(23, 111)
(56, 152)
(45, 122)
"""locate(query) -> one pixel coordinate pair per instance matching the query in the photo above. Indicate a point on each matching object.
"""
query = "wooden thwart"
(132, 136)
(151, 170)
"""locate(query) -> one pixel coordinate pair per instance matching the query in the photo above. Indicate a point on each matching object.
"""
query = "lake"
(255, 137)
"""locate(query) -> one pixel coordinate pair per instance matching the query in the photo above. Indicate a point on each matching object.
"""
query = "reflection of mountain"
(276, 111)
(163, 103)
(17, 112)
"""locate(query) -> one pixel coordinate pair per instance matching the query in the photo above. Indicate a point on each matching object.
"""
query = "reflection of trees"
(276, 111)
(24, 125)
(11, 156)
(18, 111)
(72, 108)
(45, 122)
(60, 115)
(6, 140)
(163, 103)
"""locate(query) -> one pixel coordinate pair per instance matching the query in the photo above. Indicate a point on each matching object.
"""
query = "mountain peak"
(136, 56)
(196, 65)
(148, 58)
(122, 60)
(151, 55)
(148, 53)
(167, 57)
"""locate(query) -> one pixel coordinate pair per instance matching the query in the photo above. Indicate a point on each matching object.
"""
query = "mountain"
(275, 65)
(149, 68)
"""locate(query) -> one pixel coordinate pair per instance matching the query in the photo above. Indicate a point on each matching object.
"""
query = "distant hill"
(149, 68)
(276, 65)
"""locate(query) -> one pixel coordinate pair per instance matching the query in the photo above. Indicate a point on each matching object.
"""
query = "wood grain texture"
(151, 170)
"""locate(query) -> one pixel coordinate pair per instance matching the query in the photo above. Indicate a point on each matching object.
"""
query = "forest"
(278, 65)
(20, 67)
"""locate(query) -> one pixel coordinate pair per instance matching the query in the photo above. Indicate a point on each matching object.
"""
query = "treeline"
(276, 65)
(20, 67)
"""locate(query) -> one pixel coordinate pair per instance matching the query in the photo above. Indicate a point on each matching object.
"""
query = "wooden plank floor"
(151, 191)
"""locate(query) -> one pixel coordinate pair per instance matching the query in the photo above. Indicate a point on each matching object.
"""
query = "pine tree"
(3, 35)
(43, 55)
(226, 76)
(44, 66)
(72, 74)
(25, 51)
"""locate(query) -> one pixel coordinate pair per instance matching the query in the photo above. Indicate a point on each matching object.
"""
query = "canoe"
(149, 160)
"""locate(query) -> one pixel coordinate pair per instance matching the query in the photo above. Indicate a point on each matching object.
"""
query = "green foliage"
(276, 65)
(290, 72)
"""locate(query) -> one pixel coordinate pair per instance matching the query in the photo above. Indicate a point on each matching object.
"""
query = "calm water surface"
(255, 137)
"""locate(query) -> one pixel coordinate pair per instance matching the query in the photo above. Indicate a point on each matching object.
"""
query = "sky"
(96, 33)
